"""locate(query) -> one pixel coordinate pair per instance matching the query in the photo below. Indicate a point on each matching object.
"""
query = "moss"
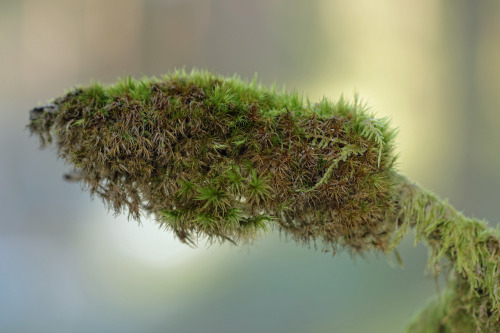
(224, 159)
(457, 310)
(471, 248)
(219, 158)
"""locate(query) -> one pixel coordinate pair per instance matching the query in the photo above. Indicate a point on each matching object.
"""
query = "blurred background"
(67, 265)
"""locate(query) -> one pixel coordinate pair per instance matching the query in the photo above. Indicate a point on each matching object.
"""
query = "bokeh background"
(67, 265)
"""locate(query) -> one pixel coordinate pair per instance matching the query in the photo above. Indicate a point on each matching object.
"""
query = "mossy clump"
(220, 158)
(224, 159)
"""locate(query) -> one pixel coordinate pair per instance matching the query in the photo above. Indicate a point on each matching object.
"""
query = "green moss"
(456, 310)
(470, 247)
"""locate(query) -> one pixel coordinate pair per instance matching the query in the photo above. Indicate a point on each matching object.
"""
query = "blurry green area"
(431, 66)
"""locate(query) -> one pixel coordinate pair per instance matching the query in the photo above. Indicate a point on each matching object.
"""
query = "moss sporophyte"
(223, 159)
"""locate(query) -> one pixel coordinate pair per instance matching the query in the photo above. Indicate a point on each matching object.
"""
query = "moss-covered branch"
(218, 158)
(471, 301)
